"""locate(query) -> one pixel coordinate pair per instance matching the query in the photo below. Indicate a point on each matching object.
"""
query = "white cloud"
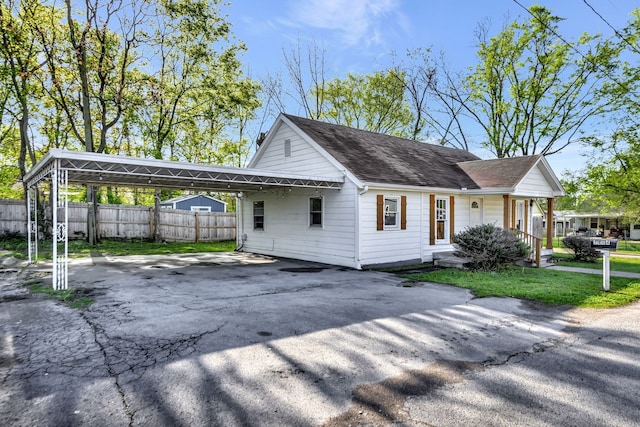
(356, 21)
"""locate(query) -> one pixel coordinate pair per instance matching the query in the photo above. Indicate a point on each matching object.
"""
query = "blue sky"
(360, 35)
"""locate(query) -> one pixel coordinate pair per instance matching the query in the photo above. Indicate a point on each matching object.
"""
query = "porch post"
(549, 223)
(506, 211)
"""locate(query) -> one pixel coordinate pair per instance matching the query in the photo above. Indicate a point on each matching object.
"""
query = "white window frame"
(254, 216)
(388, 213)
(200, 208)
(311, 212)
(442, 216)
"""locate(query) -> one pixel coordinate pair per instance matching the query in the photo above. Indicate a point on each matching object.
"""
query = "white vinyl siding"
(399, 245)
(534, 184)
(461, 213)
(303, 159)
(287, 232)
(493, 210)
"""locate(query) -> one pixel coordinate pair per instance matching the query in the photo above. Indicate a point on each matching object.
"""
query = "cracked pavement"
(238, 339)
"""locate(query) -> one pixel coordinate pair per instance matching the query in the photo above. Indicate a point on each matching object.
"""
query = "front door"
(475, 217)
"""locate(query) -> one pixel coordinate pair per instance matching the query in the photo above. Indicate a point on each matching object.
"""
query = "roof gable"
(499, 173)
(189, 197)
(379, 158)
(511, 173)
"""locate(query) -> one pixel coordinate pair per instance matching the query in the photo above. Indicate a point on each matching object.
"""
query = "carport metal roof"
(63, 167)
(104, 169)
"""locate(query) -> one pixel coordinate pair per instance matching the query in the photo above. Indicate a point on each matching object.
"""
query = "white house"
(401, 200)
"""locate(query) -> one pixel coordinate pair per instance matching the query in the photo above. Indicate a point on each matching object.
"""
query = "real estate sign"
(605, 244)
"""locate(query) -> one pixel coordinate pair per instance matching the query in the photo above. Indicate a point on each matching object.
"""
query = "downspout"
(365, 189)
(422, 227)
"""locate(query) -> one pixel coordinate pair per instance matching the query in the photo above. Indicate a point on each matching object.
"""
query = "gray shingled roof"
(499, 173)
(379, 158)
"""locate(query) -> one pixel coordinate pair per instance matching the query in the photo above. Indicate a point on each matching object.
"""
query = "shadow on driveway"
(237, 339)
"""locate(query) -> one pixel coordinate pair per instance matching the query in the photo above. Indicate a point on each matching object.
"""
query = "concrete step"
(448, 260)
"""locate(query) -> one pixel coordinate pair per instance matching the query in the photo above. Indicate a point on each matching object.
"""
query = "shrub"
(581, 248)
(489, 247)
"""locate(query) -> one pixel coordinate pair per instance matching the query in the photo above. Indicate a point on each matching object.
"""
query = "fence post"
(151, 223)
(197, 228)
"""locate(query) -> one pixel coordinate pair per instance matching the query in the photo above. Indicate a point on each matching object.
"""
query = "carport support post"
(605, 270)
(59, 204)
(32, 223)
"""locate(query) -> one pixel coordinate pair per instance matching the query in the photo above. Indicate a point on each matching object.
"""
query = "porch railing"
(535, 243)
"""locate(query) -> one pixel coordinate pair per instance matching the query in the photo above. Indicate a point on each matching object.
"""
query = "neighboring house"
(401, 200)
(594, 223)
(195, 203)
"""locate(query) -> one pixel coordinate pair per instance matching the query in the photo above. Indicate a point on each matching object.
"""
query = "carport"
(63, 167)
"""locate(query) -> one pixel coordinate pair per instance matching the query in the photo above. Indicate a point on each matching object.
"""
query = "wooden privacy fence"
(131, 222)
(13, 216)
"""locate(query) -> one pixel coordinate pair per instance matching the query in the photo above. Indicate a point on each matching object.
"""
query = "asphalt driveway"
(235, 339)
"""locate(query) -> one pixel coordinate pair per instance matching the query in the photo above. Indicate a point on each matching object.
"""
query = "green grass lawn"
(539, 284)
(631, 265)
(79, 248)
(624, 246)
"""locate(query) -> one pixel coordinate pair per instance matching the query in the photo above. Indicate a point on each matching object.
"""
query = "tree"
(197, 86)
(614, 174)
(532, 91)
(418, 77)
(373, 102)
(19, 54)
(615, 177)
(9, 170)
(307, 84)
(88, 63)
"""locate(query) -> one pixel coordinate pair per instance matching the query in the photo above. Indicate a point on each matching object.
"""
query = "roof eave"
(420, 188)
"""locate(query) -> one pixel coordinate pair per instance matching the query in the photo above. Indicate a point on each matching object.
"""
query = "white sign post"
(605, 270)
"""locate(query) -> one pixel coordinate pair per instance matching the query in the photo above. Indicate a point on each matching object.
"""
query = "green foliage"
(144, 79)
(539, 284)
(614, 178)
(374, 102)
(490, 248)
(581, 248)
(79, 248)
(10, 186)
(529, 89)
(616, 263)
(200, 99)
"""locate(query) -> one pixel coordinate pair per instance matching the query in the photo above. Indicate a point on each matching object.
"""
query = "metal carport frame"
(64, 167)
